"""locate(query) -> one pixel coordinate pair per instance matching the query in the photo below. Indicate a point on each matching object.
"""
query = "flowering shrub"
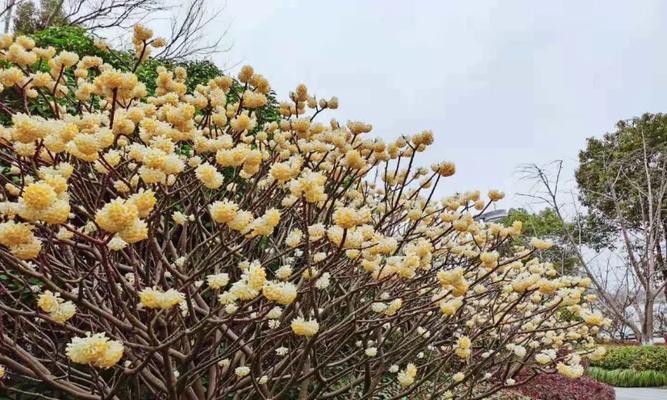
(77, 40)
(170, 246)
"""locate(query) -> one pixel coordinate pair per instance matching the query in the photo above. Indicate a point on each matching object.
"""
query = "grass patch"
(628, 377)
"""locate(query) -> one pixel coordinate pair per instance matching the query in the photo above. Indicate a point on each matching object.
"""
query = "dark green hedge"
(638, 358)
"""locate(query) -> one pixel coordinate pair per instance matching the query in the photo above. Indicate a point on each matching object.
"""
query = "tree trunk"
(8, 18)
(661, 259)
(647, 323)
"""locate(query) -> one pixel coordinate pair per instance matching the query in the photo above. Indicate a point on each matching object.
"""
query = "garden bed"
(557, 387)
(638, 358)
(632, 366)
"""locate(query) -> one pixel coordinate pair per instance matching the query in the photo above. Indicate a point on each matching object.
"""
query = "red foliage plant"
(558, 387)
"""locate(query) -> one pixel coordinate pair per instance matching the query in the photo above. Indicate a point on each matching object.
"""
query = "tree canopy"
(545, 224)
(618, 157)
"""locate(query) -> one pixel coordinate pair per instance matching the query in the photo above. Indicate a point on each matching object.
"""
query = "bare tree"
(102, 14)
(188, 20)
(187, 36)
(6, 12)
(636, 284)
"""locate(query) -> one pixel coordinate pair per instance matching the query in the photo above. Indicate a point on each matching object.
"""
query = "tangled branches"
(171, 246)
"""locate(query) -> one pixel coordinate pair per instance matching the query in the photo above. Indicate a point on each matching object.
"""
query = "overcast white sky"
(500, 83)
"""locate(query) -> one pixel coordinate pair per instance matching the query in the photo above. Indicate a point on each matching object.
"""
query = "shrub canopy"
(171, 244)
(640, 358)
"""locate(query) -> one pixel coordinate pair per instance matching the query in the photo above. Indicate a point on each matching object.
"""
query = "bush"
(556, 387)
(638, 358)
(628, 377)
(77, 40)
(175, 245)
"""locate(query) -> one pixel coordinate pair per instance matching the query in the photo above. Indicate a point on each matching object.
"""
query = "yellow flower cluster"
(159, 162)
(453, 280)
(540, 244)
(546, 356)
(285, 171)
(248, 287)
(445, 169)
(281, 292)
(141, 41)
(302, 327)
(407, 376)
(347, 217)
(123, 217)
(217, 281)
(96, 350)
(46, 199)
(57, 308)
(20, 240)
(463, 347)
(227, 212)
(572, 369)
(595, 318)
(209, 176)
(132, 186)
(310, 185)
(154, 298)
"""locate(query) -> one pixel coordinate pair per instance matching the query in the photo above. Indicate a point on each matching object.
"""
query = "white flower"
(323, 281)
(274, 313)
(217, 281)
(394, 368)
(519, 351)
(510, 382)
(242, 371)
(281, 351)
(378, 307)
(371, 351)
(179, 218)
(284, 272)
(224, 363)
(116, 244)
